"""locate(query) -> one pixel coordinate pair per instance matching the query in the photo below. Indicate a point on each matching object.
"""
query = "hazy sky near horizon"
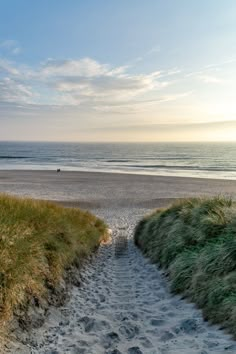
(122, 70)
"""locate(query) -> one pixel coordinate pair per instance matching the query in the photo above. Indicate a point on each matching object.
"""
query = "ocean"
(205, 160)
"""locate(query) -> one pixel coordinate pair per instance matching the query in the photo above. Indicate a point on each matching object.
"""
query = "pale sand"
(92, 189)
(124, 304)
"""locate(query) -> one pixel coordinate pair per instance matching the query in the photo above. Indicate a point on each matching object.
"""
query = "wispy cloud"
(210, 79)
(85, 67)
(172, 127)
(88, 85)
(12, 91)
(7, 68)
(140, 106)
(11, 46)
(77, 82)
(152, 51)
(212, 73)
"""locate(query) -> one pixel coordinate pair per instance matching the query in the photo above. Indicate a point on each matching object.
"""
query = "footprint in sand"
(124, 306)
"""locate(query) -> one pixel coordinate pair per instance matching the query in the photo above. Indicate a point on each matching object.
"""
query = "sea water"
(209, 160)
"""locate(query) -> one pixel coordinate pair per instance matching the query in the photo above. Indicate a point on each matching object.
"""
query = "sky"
(100, 70)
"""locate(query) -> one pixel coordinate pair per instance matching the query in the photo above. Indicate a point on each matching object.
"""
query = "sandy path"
(124, 306)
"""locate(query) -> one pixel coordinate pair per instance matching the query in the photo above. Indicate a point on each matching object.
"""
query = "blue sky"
(102, 70)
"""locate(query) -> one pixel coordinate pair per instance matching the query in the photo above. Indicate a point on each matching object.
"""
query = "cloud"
(7, 68)
(10, 46)
(89, 80)
(77, 82)
(85, 67)
(211, 74)
(12, 91)
(210, 79)
(107, 87)
(154, 50)
(181, 127)
(138, 106)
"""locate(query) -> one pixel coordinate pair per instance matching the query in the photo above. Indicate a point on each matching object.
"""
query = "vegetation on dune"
(195, 241)
(38, 242)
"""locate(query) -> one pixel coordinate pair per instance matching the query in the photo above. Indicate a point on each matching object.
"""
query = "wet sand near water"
(97, 189)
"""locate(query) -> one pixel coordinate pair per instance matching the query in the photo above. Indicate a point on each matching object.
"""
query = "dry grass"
(38, 241)
(195, 241)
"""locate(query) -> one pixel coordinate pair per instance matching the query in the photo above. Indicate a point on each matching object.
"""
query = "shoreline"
(130, 173)
(98, 189)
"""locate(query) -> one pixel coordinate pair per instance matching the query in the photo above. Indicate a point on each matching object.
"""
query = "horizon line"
(118, 142)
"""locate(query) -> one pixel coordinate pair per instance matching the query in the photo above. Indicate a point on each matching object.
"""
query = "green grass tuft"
(38, 242)
(195, 241)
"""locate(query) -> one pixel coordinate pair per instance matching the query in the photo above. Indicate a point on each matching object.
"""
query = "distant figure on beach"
(58, 170)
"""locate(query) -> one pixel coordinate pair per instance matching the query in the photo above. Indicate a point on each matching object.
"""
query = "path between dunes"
(124, 306)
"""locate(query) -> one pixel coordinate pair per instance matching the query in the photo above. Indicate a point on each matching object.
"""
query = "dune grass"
(38, 242)
(195, 241)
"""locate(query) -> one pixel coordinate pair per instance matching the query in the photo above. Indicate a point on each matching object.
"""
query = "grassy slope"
(195, 241)
(38, 241)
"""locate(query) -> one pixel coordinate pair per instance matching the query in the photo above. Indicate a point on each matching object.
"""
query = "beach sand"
(97, 189)
(123, 304)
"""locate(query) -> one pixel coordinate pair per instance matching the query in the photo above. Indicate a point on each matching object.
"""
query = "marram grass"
(195, 241)
(38, 241)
